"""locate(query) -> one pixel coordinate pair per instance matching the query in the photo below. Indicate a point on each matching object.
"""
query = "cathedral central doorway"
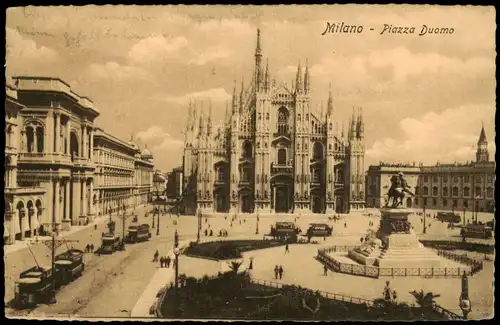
(221, 200)
(246, 202)
(317, 204)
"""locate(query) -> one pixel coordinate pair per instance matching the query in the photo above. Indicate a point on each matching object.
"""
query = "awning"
(34, 223)
(26, 225)
(6, 227)
(17, 229)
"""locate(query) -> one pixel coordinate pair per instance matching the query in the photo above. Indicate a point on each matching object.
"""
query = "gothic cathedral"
(274, 153)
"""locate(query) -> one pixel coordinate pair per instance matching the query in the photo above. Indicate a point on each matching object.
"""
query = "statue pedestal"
(400, 245)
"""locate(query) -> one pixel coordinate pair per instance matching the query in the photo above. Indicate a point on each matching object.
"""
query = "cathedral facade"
(274, 153)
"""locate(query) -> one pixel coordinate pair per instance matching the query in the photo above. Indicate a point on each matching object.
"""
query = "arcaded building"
(274, 153)
(468, 186)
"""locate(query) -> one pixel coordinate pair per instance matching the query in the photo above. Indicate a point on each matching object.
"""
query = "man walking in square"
(276, 271)
(286, 249)
(280, 270)
(325, 270)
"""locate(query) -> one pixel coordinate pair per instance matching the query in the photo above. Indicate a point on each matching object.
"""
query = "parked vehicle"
(477, 231)
(319, 230)
(110, 243)
(138, 233)
(448, 217)
(285, 231)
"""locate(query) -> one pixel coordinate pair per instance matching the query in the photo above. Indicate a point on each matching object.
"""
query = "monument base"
(66, 225)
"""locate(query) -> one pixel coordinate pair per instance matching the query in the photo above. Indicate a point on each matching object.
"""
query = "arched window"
(8, 134)
(220, 174)
(455, 191)
(489, 192)
(445, 203)
(466, 203)
(434, 201)
(281, 156)
(466, 191)
(73, 148)
(426, 190)
(39, 139)
(445, 191)
(317, 151)
(477, 192)
(282, 120)
(416, 190)
(30, 139)
(247, 150)
(434, 191)
(316, 175)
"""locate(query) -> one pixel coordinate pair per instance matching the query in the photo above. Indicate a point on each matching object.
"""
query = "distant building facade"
(465, 186)
(175, 183)
(159, 183)
(275, 153)
(51, 173)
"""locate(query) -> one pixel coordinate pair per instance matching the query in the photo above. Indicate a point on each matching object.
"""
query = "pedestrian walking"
(161, 262)
(220, 233)
(95, 227)
(361, 240)
(325, 270)
(280, 270)
(276, 271)
(206, 232)
(286, 249)
(168, 261)
(345, 224)
(211, 232)
(155, 256)
(87, 248)
(91, 248)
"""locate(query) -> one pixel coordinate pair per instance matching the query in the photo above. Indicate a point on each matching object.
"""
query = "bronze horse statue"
(397, 191)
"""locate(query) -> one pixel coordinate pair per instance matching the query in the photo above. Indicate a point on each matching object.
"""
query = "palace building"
(52, 176)
(275, 153)
(457, 187)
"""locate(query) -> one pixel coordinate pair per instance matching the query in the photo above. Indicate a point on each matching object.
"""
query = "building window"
(416, 201)
(445, 179)
(220, 174)
(30, 139)
(445, 203)
(435, 179)
(466, 191)
(445, 191)
(455, 179)
(316, 175)
(416, 190)
(490, 179)
(247, 150)
(466, 203)
(477, 191)
(466, 179)
(434, 201)
(425, 201)
(489, 192)
(455, 191)
(318, 151)
(282, 120)
(245, 175)
(479, 179)
(426, 178)
(281, 156)
(434, 191)
(454, 203)
(426, 190)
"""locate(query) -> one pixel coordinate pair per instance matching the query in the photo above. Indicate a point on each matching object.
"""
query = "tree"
(235, 266)
(424, 300)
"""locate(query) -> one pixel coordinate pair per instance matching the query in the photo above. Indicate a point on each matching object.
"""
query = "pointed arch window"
(282, 120)
(281, 156)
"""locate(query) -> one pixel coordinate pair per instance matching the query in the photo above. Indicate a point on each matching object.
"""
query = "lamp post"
(158, 226)
(464, 301)
(176, 253)
(257, 227)
(199, 225)
(53, 299)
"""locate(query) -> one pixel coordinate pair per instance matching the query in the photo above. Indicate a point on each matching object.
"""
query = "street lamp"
(199, 225)
(257, 228)
(158, 227)
(464, 301)
(176, 253)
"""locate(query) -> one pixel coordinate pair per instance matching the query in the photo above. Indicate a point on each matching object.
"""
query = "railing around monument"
(376, 272)
(475, 265)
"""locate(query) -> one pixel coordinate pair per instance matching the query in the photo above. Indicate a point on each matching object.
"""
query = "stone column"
(91, 145)
(76, 200)
(56, 216)
(84, 199)
(57, 135)
(91, 200)
(68, 137)
(66, 223)
(84, 142)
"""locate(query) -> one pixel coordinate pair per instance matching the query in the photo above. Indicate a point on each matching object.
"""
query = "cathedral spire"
(227, 114)
(361, 124)
(307, 85)
(200, 125)
(482, 153)
(298, 79)
(235, 99)
(330, 102)
(209, 120)
(242, 94)
(353, 125)
(258, 59)
(322, 116)
(267, 83)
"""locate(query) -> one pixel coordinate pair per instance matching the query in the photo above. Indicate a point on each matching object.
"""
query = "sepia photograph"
(250, 163)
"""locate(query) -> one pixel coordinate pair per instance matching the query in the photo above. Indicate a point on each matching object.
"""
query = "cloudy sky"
(423, 97)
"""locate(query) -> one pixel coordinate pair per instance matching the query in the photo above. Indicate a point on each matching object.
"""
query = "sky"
(424, 98)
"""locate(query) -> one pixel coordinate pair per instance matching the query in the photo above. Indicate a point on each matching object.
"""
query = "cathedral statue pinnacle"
(235, 99)
(298, 79)
(242, 94)
(330, 102)
(307, 85)
(209, 120)
(267, 84)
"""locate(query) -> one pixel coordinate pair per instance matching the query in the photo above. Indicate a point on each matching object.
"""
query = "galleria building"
(275, 153)
(61, 169)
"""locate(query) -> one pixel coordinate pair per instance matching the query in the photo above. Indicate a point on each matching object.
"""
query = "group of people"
(278, 271)
(89, 248)
(223, 233)
(165, 261)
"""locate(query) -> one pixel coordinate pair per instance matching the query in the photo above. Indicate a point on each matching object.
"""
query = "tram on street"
(69, 266)
(285, 230)
(481, 231)
(319, 230)
(110, 243)
(138, 233)
(33, 286)
(448, 217)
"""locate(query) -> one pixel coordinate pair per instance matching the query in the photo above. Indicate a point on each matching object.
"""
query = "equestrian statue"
(397, 191)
